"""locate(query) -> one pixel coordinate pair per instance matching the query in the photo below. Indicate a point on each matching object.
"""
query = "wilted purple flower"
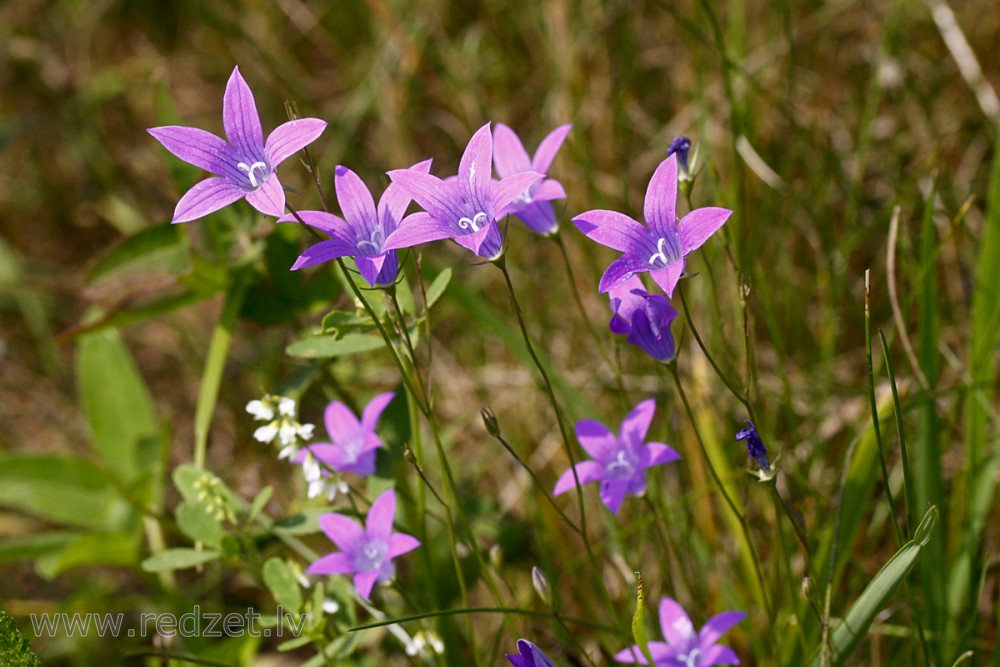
(353, 442)
(366, 552)
(684, 647)
(644, 317)
(529, 655)
(363, 229)
(659, 248)
(681, 146)
(464, 208)
(618, 462)
(755, 446)
(532, 206)
(245, 165)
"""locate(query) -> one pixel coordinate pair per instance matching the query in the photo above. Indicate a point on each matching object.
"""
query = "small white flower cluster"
(330, 484)
(279, 413)
(424, 640)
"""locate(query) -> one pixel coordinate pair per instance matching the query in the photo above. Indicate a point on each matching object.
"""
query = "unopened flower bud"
(490, 421)
(541, 584)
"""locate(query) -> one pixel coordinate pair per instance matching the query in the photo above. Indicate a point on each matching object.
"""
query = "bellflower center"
(373, 244)
(251, 172)
(622, 467)
(692, 659)
(371, 555)
(667, 252)
(475, 223)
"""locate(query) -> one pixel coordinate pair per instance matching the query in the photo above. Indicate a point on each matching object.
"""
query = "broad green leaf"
(118, 407)
(199, 523)
(34, 545)
(305, 522)
(438, 286)
(282, 583)
(326, 347)
(855, 625)
(117, 548)
(62, 489)
(156, 248)
(338, 321)
(178, 559)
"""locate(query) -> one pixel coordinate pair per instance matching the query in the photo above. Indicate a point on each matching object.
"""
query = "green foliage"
(14, 649)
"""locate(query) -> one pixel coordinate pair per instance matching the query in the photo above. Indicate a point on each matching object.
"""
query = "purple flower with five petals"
(353, 442)
(661, 245)
(464, 208)
(362, 231)
(644, 317)
(618, 462)
(529, 655)
(533, 206)
(685, 647)
(366, 552)
(244, 166)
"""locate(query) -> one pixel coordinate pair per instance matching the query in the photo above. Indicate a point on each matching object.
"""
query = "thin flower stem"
(742, 397)
(744, 528)
(501, 264)
(875, 419)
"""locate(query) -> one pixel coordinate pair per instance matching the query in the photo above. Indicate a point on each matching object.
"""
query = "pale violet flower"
(684, 647)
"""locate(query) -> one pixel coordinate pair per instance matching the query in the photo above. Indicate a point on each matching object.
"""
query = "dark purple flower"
(661, 245)
(532, 206)
(618, 462)
(529, 655)
(244, 165)
(465, 207)
(362, 231)
(353, 442)
(685, 647)
(681, 146)
(366, 552)
(755, 446)
(644, 317)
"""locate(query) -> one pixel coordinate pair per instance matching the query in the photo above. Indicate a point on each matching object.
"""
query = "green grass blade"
(855, 625)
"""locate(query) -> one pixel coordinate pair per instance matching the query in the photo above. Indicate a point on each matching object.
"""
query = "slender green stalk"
(741, 519)
(874, 407)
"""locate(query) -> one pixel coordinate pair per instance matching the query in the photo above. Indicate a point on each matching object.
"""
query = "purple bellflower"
(529, 655)
(362, 231)
(661, 245)
(533, 206)
(644, 317)
(464, 208)
(685, 647)
(618, 462)
(366, 552)
(755, 447)
(353, 442)
(244, 166)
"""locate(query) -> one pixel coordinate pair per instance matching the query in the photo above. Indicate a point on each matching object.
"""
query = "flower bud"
(541, 584)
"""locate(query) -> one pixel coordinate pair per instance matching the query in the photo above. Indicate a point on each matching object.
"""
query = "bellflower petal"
(335, 563)
(677, 628)
(668, 277)
(374, 409)
(206, 197)
(355, 201)
(324, 251)
(269, 198)
(610, 228)
(289, 138)
(416, 229)
(509, 155)
(394, 202)
(697, 226)
(596, 439)
(660, 205)
(343, 531)
(548, 190)
(529, 656)
(475, 171)
(400, 544)
(613, 494)
(719, 625)
(379, 521)
(364, 582)
(635, 426)
(547, 150)
(619, 270)
(540, 216)
(512, 187)
(684, 646)
(435, 196)
(239, 115)
(370, 267)
(586, 471)
(198, 147)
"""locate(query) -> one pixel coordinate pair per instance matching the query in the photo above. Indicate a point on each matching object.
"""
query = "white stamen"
(475, 222)
(692, 659)
(659, 254)
(251, 169)
(377, 239)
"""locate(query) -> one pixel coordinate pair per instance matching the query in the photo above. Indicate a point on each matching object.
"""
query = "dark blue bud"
(755, 446)
(681, 146)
